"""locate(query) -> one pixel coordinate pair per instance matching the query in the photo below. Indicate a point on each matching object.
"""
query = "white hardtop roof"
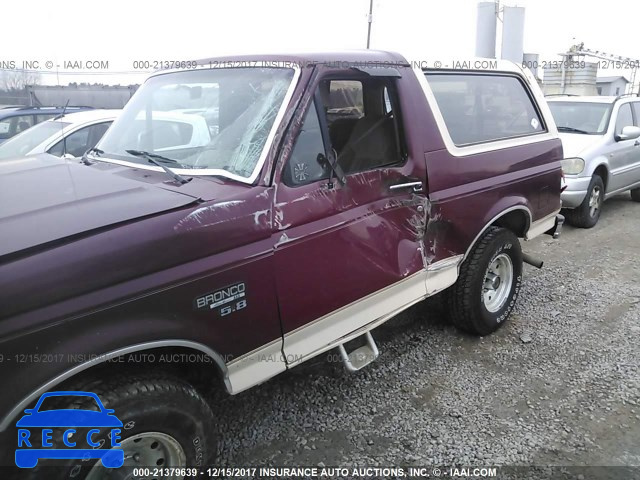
(479, 63)
(357, 57)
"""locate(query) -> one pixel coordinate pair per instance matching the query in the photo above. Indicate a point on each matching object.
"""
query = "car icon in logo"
(40, 425)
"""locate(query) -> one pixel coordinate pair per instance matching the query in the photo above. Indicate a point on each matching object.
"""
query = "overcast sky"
(122, 31)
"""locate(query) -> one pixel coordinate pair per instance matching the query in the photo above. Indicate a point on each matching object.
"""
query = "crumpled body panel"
(351, 241)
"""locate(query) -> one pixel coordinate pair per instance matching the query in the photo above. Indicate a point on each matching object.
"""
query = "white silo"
(577, 78)
(513, 34)
(486, 30)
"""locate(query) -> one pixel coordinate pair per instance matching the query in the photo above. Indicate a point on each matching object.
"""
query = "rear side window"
(5, 125)
(480, 108)
(42, 118)
(24, 122)
(14, 125)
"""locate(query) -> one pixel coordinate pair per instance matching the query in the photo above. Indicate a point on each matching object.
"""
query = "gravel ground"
(559, 384)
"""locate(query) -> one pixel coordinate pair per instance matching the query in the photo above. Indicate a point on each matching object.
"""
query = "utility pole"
(370, 20)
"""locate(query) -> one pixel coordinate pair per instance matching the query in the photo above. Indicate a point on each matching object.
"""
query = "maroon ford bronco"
(249, 214)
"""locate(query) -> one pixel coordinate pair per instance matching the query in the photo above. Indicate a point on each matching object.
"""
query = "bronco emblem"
(226, 300)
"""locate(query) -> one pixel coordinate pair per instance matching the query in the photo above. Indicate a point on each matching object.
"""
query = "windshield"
(585, 117)
(24, 142)
(216, 120)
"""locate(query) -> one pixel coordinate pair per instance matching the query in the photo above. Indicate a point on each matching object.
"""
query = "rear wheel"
(588, 213)
(635, 194)
(166, 423)
(488, 285)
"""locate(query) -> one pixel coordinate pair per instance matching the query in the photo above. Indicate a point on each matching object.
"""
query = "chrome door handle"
(415, 186)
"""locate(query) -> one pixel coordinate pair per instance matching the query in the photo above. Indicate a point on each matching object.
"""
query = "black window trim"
(401, 138)
(324, 125)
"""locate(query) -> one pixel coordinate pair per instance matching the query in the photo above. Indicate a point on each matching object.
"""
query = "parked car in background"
(68, 135)
(172, 130)
(14, 120)
(600, 136)
(250, 219)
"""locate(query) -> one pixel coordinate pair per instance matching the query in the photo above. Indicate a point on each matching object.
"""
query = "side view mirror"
(68, 156)
(628, 133)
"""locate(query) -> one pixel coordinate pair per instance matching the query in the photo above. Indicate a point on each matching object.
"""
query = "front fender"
(592, 165)
(45, 371)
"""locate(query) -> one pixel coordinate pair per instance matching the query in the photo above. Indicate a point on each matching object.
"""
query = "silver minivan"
(600, 137)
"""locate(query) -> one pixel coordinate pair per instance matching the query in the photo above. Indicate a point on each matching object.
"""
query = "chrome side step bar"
(360, 357)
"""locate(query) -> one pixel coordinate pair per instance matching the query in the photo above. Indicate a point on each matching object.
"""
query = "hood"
(45, 199)
(574, 144)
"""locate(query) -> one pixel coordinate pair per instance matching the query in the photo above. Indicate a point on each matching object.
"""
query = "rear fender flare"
(496, 213)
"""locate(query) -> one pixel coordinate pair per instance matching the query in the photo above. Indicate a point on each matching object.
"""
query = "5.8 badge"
(226, 300)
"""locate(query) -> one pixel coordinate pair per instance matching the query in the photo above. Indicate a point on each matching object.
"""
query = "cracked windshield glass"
(213, 119)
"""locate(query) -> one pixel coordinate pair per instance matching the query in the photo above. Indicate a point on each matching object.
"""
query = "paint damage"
(207, 216)
(419, 225)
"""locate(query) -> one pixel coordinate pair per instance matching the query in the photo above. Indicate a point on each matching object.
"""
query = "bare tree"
(18, 79)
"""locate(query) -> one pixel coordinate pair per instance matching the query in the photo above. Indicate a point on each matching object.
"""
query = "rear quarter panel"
(469, 190)
(467, 193)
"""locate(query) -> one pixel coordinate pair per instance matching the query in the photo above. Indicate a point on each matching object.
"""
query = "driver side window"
(362, 126)
(365, 132)
(80, 141)
(625, 118)
(72, 144)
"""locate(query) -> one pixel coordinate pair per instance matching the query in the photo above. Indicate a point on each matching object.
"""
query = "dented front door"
(345, 255)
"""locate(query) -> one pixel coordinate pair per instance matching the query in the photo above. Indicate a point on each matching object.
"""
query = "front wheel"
(635, 194)
(587, 214)
(166, 424)
(487, 287)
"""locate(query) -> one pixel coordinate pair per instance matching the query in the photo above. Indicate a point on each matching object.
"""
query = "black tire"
(465, 299)
(144, 403)
(583, 216)
(635, 194)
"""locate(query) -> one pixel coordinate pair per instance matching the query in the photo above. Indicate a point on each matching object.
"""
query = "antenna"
(370, 21)
(64, 139)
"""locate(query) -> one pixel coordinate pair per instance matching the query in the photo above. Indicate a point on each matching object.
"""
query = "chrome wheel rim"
(497, 283)
(594, 201)
(148, 449)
